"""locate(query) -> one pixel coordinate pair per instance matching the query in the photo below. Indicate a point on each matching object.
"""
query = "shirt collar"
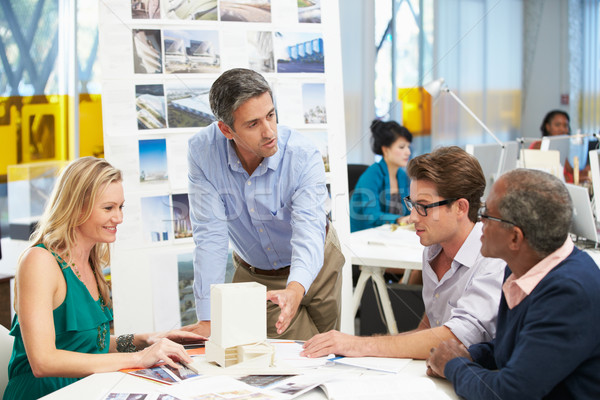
(517, 289)
(236, 165)
(468, 252)
(470, 249)
(232, 158)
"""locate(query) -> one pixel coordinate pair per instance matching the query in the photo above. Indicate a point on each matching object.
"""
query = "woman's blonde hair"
(70, 205)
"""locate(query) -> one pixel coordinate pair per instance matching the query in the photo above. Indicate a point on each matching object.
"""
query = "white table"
(379, 248)
(98, 386)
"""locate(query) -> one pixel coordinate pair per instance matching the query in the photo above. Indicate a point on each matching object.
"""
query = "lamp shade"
(434, 88)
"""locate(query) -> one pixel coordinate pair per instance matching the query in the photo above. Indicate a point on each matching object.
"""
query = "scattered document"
(391, 365)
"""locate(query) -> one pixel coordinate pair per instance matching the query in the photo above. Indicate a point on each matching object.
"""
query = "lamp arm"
(502, 147)
(463, 105)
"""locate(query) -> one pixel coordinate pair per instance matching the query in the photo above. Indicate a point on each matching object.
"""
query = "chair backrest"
(6, 345)
(354, 172)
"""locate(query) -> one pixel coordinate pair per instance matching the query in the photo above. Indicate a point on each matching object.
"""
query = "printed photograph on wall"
(191, 51)
(309, 11)
(299, 52)
(245, 10)
(156, 217)
(260, 51)
(205, 10)
(147, 51)
(153, 160)
(182, 226)
(319, 138)
(313, 102)
(187, 105)
(145, 9)
(187, 304)
(150, 106)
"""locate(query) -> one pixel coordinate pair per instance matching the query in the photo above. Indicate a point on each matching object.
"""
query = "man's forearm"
(416, 344)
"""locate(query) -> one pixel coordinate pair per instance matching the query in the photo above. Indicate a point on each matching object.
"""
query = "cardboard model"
(239, 325)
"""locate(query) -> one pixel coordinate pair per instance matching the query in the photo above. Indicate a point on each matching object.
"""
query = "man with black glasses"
(548, 342)
(461, 288)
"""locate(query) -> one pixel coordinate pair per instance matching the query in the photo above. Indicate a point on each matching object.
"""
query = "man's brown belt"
(285, 271)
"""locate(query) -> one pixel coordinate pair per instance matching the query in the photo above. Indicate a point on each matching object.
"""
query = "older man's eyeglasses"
(422, 208)
(482, 214)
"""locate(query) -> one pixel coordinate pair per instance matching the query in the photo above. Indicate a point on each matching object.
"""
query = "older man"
(548, 338)
(461, 288)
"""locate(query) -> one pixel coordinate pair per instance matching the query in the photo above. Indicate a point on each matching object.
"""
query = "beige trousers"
(319, 310)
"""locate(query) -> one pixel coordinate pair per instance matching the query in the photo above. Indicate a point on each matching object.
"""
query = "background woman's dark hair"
(386, 133)
(549, 117)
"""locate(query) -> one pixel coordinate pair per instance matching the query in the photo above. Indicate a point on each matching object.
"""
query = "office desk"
(379, 248)
(98, 386)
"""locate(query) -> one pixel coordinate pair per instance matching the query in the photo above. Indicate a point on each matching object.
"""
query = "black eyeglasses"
(422, 208)
(482, 214)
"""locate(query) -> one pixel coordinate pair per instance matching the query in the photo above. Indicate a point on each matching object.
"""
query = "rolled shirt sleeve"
(467, 297)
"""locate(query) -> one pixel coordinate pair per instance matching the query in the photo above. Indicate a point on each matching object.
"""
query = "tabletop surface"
(386, 248)
(99, 386)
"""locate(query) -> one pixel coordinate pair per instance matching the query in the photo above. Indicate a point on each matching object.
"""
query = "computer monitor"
(494, 162)
(584, 224)
(511, 155)
(547, 161)
(594, 157)
(562, 143)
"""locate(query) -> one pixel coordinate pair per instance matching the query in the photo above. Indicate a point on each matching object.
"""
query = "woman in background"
(62, 301)
(378, 196)
(556, 123)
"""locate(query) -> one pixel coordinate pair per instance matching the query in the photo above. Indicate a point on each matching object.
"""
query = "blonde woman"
(62, 302)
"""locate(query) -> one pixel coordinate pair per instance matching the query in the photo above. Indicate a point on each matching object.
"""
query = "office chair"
(354, 172)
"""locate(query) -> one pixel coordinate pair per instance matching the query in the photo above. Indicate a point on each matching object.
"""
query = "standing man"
(461, 288)
(262, 187)
(548, 342)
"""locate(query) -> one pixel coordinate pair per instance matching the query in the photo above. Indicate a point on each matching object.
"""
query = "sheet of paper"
(382, 387)
(219, 387)
(392, 365)
(287, 354)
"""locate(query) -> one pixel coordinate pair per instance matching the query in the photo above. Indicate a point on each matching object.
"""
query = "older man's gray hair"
(540, 205)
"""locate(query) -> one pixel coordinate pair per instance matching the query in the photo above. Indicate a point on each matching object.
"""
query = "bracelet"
(125, 344)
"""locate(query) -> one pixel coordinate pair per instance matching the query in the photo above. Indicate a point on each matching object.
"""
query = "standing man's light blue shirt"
(467, 298)
(274, 218)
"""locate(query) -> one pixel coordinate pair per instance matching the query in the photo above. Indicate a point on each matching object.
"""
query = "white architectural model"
(239, 325)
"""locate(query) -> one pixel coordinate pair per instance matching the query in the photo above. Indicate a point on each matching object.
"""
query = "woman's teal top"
(370, 202)
(81, 324)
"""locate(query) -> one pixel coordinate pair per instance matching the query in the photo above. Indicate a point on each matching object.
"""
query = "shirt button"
(275, 263)
(268, 248)
(437, 295)
(260, 230)
(252, 210)
(437, 322)
(249, 183)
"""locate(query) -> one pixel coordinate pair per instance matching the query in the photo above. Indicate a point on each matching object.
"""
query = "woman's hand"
(176, 335)
(402, 220)
(163, 349)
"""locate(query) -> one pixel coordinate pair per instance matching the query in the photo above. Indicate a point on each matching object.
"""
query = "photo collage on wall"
(192, 51)
(177, 50)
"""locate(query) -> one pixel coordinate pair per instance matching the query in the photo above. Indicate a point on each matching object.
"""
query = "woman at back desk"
(378, 196)
(557, 123)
